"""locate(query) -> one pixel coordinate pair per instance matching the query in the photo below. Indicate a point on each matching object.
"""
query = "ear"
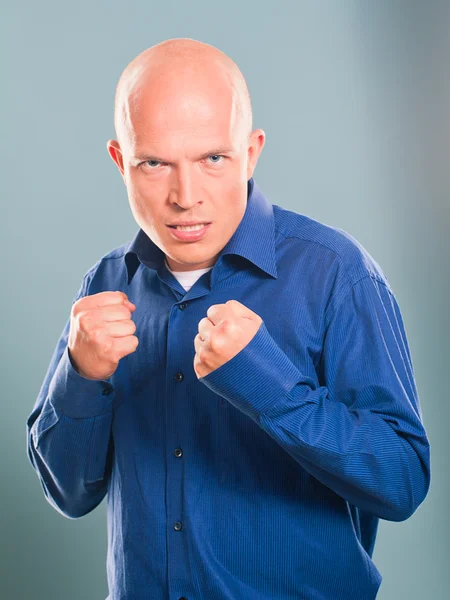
(257, 140)
(115, 152)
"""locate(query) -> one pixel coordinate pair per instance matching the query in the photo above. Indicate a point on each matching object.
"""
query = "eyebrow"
(218, 150)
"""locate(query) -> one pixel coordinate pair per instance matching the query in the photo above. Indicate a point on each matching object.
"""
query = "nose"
(183, 190)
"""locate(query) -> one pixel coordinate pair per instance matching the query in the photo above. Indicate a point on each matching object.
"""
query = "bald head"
(186, 71)
(185, 147)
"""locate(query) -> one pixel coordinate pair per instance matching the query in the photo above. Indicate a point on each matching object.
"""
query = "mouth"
(192, 233)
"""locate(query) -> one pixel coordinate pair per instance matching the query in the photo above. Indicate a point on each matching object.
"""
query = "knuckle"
(95, 335)
(124, 311)
(114, 355)
(84, 321)
(107, 345)
(77, 306)
(215, 341)
(202, 322)
(227, 326)
(201, 355)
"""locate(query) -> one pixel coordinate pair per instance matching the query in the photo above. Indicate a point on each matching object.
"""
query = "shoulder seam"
(299, 237)
(100, 260)
(339, 302)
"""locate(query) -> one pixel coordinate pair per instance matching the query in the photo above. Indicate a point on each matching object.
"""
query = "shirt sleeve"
(361, 433)
(69, 432)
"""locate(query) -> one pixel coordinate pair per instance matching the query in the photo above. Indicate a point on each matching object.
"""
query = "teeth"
(190, 227)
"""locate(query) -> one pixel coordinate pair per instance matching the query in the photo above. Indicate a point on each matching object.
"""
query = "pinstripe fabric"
(266, 478)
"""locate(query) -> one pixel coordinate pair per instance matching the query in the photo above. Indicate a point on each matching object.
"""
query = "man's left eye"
(216, 156)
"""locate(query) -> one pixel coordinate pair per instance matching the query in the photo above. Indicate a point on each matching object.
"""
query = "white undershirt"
(187, 278)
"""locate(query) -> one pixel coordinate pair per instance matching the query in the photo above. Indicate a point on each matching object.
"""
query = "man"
(242, 389)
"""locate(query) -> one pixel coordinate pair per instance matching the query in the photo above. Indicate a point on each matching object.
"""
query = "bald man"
(237, 378)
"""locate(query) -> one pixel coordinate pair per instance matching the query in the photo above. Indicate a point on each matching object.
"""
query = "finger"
(107, 313)
(240, 310)
(204, 327)
(198, 343)
(106, 299)
(116, 313)
(120, 328)
(125, 345)
(215, 313)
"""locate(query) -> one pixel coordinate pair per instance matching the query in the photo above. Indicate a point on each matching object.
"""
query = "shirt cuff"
(76, 396)
(257, 377)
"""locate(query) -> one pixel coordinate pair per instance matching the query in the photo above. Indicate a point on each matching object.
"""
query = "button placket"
(177, 545)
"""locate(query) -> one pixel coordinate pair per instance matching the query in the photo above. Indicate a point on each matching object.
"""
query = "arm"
(361, 434)
(69, 433)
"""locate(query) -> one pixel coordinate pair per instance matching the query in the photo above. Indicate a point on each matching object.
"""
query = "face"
(184, 156)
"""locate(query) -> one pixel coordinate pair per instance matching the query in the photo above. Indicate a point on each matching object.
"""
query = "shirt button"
(179, 377)
(106, 391)
(178, 452)
(182, 306)
(177, 526)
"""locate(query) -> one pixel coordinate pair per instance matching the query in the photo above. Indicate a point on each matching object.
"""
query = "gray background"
(354, 99)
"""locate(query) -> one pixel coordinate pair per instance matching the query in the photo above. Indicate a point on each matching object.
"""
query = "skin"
(178, 105)
(223, 333)
(185, 150)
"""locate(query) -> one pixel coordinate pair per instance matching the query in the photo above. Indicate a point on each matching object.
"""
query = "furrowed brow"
(218, 150)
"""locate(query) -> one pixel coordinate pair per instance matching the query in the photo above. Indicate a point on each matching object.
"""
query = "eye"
(153, 164)
(215, 162)
(147, 163)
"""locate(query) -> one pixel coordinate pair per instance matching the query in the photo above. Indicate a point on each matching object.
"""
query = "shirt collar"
(254, 238)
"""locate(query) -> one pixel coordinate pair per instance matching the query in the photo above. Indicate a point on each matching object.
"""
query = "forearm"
(69, 438)
(376, 459)
(72, 458)
(369, 460)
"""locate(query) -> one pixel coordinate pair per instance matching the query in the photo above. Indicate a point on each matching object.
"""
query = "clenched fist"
(224, 332)
(101, 333)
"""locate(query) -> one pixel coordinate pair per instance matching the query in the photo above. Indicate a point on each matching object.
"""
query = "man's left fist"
(224, 332)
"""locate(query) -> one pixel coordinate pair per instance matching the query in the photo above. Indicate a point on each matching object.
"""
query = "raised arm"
(69, 430)
(361, 433)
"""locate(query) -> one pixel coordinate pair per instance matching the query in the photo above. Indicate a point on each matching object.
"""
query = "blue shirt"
(266, 478)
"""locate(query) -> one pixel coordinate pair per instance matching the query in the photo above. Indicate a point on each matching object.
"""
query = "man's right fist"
(101, 333)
